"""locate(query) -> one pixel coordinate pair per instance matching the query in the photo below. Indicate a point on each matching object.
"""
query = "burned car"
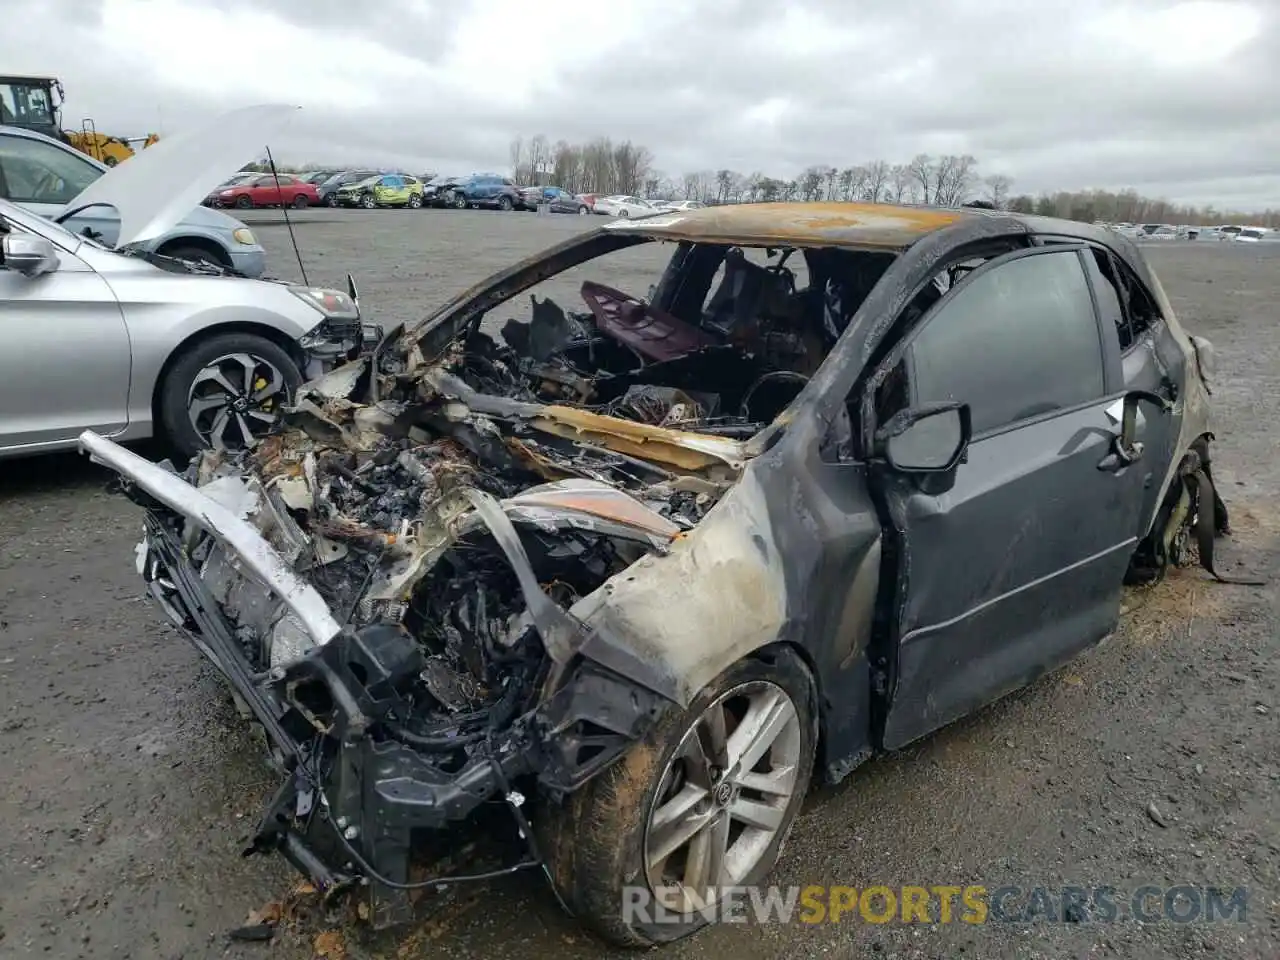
(653, 564)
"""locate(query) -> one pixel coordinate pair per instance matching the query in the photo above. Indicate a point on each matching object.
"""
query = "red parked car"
(265, 191)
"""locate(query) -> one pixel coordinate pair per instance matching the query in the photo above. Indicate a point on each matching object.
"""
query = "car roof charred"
(877, 226)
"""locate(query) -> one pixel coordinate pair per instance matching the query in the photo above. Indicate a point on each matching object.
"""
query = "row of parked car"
(371, 189)
(1169, 231)
(346, 188)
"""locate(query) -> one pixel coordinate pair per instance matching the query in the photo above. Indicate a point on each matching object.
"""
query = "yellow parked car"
(384, 190)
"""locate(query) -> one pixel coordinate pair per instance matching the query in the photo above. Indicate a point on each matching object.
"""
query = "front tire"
(460, 201)
(244, 203)
(707, 799)
(331, 200)
(368, 202)
(583, 211)
(225, 392)
(415, 201)
(504, 203)
(624, 213)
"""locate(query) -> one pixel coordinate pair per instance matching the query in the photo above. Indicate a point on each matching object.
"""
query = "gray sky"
(1176, 99)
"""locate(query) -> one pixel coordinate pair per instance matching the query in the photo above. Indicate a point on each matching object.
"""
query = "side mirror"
(29, 254)
(927, 439)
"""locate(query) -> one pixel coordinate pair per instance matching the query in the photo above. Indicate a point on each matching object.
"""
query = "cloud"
(1173, 98)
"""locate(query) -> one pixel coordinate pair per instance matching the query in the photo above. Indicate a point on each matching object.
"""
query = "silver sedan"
(116, 343)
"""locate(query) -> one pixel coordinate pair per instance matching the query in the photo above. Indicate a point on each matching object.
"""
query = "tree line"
(601, 166)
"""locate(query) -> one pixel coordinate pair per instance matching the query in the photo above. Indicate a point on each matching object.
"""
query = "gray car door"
(1129, 312)
(1018, 562)
(65, 364)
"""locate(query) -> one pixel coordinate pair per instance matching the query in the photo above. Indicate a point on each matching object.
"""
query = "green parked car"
(384, 190)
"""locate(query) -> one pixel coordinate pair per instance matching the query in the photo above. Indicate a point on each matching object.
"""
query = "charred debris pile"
(595, 454)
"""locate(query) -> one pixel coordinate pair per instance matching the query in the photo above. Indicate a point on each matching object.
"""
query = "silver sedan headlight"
(332, 304)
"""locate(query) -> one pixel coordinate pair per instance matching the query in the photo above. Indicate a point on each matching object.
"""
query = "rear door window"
(1018, 340)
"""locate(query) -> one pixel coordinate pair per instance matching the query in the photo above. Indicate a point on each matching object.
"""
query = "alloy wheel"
(723, 796)
(235, 400)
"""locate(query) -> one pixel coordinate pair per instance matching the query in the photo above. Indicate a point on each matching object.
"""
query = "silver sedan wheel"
(723, 796)
(235, 400)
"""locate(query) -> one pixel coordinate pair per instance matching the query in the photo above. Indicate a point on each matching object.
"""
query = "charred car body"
(656, 562)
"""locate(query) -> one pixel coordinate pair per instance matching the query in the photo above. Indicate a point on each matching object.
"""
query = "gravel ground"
(129, 786)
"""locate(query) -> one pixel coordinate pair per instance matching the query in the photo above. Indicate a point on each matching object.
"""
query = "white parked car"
(681, 205)
(625, 207)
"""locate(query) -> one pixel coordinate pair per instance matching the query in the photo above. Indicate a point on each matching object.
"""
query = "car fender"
(159, 330)
(718, 595)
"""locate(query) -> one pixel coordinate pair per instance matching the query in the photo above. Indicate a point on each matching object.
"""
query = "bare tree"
(998, 185)
(566, 166)
(706, 181)
(846, 183)
(923, 174)
(690, 183)
(517, 156)
(831, 175)
(858, 182)
(724, 180)
(631, 165)
(953, 178)
(810, 183)
(598, 169)
(877, 180)
(538, 158)
(773, 189)
(899, 181)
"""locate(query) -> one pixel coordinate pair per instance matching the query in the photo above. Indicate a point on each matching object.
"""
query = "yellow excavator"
(36, 104)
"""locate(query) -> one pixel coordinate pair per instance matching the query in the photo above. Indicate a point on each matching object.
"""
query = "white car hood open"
(154, 190)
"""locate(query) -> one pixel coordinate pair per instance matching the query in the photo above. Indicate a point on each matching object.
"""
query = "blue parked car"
(484, 190)
(43, 175)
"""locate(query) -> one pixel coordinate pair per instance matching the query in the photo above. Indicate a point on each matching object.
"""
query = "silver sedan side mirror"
(28, 254)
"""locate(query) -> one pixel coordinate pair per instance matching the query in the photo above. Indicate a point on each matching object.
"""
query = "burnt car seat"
(652, 333)
(741, 289)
